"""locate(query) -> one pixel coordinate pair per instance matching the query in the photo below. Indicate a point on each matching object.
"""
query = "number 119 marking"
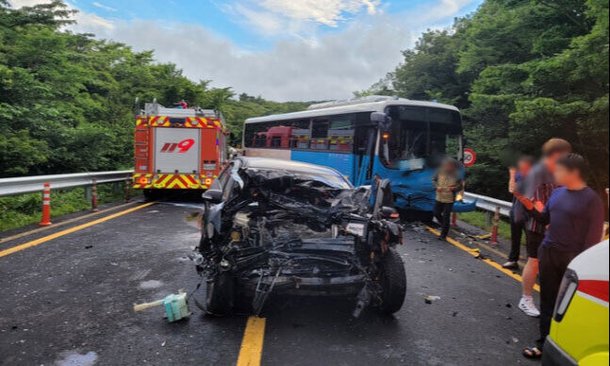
(182, 146)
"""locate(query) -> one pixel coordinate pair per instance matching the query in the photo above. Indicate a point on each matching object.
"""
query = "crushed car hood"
(302, 199)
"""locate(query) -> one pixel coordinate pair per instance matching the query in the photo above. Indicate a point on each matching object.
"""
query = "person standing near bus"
(448, 183)
(538, 187)
(575, 217)
(518, 216)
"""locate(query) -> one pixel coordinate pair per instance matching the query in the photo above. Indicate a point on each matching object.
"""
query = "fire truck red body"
(178, 149)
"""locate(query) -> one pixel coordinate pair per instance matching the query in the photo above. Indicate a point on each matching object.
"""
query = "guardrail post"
(46, 205)
(127, 189)
(94, 195)
(494, 228)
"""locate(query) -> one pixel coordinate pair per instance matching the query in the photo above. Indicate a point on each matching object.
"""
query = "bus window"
(300, 138)
(319, 134)
(341, 133)
(276, 142)
(259, 140)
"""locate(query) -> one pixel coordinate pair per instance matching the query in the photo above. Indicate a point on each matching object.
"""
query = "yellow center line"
(58, 234)
(476, 253)
(63, 223)
(251, 349)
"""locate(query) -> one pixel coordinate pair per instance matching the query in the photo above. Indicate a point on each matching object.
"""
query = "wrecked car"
(275, 226)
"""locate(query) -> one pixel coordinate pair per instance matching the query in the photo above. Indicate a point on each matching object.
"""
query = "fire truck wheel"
(150, 194)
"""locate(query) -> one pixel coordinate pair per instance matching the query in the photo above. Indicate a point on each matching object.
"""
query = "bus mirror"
(382, 120)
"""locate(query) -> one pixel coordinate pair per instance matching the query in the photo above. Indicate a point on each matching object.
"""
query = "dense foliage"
(67, 100)
(522, 71)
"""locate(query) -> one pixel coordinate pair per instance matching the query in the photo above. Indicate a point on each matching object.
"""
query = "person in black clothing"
(518, 216)
(575, 217)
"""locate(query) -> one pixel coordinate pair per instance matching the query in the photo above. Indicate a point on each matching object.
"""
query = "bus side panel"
(344, 163)
(269, 153)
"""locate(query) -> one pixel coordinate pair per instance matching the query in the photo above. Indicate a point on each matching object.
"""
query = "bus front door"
(365, 156)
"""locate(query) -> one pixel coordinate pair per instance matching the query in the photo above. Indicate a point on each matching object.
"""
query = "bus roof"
(366, 104)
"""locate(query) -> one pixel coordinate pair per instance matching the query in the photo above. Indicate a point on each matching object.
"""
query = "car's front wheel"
(220, 294)
(393, 281)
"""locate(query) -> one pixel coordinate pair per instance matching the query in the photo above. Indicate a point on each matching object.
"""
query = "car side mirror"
(382, 120)
(213, 196)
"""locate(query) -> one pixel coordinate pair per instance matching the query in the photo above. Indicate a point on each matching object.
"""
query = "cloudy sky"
(279, 49)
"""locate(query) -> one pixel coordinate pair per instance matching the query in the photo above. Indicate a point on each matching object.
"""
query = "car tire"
(393, 280)
(220, 294)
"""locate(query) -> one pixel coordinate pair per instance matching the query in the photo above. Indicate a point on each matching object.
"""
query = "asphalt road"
(68, 301)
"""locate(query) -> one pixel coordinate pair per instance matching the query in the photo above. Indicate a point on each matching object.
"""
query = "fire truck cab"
(177, 148)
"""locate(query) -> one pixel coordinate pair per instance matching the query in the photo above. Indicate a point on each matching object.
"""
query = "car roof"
(289, 165)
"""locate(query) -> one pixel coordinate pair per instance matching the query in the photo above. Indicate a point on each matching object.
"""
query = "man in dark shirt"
(518, 216)
(538, 187)
(575, 217)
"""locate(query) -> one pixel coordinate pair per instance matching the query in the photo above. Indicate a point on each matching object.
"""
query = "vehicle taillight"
(568, 288)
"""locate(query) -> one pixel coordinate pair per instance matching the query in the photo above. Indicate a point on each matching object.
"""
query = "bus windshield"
(421, 133)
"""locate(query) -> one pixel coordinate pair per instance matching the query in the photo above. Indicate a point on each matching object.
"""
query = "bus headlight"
(568, 288)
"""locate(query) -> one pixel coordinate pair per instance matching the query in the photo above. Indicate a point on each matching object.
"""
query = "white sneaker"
(527, 305)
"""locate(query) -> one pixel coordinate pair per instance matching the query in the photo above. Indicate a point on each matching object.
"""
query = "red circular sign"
(470, 157)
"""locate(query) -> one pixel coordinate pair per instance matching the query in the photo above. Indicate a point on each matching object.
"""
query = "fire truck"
(177, 149)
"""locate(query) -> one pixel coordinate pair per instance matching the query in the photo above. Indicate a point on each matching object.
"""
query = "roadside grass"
(479, 219)
(25, 209)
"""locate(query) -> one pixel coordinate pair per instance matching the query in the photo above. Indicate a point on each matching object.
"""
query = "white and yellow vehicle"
(579, 332)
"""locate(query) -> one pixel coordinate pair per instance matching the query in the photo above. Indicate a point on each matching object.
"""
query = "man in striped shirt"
(538, 187)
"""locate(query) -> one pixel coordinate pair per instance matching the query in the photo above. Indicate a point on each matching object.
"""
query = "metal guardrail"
(489, 204)
(20, 185)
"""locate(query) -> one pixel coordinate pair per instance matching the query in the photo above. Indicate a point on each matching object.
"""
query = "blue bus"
(398, 139)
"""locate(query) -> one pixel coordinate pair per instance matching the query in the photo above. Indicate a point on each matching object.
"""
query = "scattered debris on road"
(430, 299)
(175, 305)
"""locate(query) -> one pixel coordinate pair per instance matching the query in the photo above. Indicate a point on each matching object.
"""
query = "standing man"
(575, 218)
(518, 215)
(448, 183)
(538, 187)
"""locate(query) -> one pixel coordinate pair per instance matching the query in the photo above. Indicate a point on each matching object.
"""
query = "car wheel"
(220, 294)
(393, 280)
